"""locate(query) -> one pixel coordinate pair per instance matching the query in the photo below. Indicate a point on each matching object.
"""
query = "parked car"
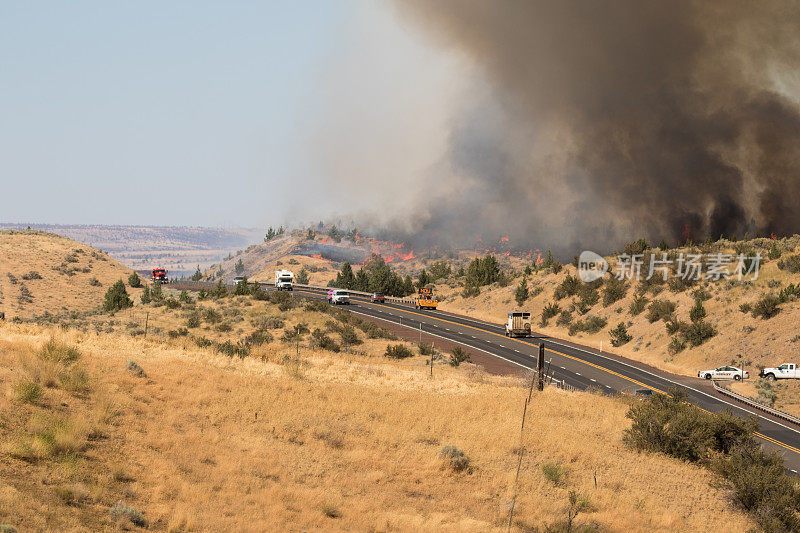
(378, 297)
(785, 371)
(339, 297)
(724, 372)
(238, 279)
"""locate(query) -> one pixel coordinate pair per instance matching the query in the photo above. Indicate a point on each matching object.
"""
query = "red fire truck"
(159, 275)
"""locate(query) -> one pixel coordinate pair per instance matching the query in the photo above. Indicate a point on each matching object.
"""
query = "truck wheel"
(708, 376)
(737, 377)
(770, 377)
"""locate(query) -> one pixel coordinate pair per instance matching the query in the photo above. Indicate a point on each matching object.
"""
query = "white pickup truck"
(785, 371)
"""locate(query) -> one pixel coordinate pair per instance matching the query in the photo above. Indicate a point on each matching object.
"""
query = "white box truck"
(284, 280)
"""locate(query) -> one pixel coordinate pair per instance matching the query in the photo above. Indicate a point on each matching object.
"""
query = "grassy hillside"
(277, 439)
(43, 272)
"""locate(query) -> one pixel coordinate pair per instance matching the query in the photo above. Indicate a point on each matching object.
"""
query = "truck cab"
(518, 324)
(284, 280)
(784, 371)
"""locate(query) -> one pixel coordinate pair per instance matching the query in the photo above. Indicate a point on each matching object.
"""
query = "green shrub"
(553, 472)
(258, 337)
(425, 349)
(660, 310)
(592, 324)
(620, 335)
(789, 293)
(184, 298)
(193, 320)
(698, 312)
(33, 274)
(172, 303)
(522, 293)
(302, 277)
(211, 316)
(145, 297)
(156, 293)
(636, 247)
(175, 333)
(758, 484)
(680, 284)
(59, 352)
(455, 458)
(135, 368)
(666, 423)
(230, 349)
(94, 282)
(549, 311)
(701, 294)
(320, 340)
(349, 336)
(697, 333)
(766, 392)
(27, 391)
(202, 342)
(117, 298)
(120, 510)
(766, 307)
(75, 380)
(241, 288)
(223, 327)
(790, 263)
(774, 252)
(564, 319)
(638, 304)
(470, 291)
(134, 280)
(398, 351)
(676, 345)
(614, 290)
(568, 287)
(459, 355)
(746, 307)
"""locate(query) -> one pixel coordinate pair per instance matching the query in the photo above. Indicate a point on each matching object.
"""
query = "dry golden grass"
(326, 441)
(66, 268)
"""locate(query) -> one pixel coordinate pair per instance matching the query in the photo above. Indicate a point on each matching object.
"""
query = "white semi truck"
(284, 280)
(785, 371)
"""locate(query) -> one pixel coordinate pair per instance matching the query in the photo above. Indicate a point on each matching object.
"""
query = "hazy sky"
(213, 113)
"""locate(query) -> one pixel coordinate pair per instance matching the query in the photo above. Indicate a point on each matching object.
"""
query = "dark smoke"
(610, 120)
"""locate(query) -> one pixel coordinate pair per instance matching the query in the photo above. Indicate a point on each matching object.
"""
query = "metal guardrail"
(320, 288)
(757, 405)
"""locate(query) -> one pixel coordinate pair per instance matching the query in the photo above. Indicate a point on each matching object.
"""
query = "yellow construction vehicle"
(425, 299)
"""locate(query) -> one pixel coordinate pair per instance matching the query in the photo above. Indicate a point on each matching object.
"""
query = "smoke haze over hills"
(598, 122)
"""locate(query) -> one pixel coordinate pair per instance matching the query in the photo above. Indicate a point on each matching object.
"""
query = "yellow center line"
(761, 435)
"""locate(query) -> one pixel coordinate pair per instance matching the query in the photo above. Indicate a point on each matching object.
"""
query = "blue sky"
(210, 113)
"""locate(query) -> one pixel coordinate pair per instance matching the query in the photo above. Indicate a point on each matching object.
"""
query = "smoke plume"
(605, 120)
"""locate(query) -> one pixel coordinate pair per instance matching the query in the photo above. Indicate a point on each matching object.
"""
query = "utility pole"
(540, 368)
(146, 320)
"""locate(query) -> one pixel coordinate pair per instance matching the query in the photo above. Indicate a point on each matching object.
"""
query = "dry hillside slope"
(44, 272)
(738, 334)
(323, 441)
